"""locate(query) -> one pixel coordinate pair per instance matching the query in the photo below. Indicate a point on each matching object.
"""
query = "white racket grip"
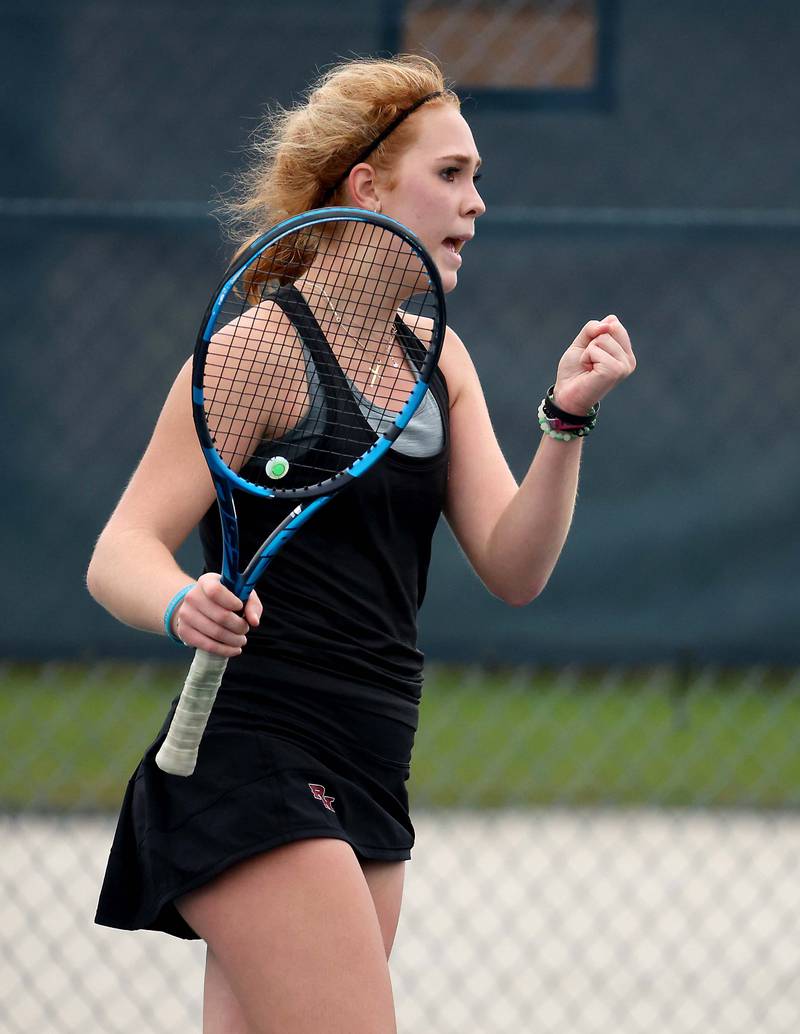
(178, 752)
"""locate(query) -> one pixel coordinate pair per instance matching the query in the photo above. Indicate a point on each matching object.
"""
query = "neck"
(359, 277)
(343, 303)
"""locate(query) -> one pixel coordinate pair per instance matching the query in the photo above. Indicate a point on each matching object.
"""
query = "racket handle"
(178, 753)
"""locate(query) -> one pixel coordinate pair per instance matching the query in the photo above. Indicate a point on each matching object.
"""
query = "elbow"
(513, 579)
(518, 595)
(93, 579)
(521, 600)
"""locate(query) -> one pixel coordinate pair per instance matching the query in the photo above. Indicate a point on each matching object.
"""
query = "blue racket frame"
(225, 479)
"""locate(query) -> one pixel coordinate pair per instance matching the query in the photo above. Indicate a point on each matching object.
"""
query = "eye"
(477, 176)
(450, 173)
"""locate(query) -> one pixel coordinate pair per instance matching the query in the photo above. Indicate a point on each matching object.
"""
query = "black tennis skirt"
(281, 760)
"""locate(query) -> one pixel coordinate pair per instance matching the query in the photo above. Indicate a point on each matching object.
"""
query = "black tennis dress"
(312, 731)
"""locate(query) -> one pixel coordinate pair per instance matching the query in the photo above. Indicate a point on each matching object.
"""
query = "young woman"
(285, 850)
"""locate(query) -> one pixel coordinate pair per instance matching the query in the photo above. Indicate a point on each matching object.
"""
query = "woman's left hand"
(597, 360)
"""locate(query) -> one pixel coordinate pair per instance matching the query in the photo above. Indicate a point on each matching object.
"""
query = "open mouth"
(454, 244)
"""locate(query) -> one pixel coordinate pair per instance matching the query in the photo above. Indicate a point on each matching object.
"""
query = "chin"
(447, 275)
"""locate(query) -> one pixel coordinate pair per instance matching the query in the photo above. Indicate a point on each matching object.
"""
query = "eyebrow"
(462, 159)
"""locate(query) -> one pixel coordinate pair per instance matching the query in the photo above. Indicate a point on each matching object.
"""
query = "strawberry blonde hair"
(302, 155)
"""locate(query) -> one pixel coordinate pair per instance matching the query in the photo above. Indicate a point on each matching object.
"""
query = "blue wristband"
(171, 606)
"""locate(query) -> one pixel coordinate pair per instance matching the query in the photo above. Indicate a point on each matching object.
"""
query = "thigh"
(385, 882)
(222, 1013)
(295, 934)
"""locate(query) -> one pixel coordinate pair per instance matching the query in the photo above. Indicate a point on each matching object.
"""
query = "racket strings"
(298, 399)
(271, 387)
(371, 341)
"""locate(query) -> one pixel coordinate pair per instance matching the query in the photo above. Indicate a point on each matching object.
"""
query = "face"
(432, 188)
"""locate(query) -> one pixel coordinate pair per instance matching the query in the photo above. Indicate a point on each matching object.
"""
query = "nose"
(474, 203)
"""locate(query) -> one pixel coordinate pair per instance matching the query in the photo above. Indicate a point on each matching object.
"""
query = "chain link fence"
(596, 851)
(606, 797)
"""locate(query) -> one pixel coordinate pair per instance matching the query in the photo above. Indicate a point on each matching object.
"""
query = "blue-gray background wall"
(676, 206)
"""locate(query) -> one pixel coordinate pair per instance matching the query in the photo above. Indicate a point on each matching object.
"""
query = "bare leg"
(222, 1013)
(385, 882)
(294, 935)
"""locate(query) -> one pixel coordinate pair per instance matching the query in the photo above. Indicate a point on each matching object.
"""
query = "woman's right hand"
(211, 617)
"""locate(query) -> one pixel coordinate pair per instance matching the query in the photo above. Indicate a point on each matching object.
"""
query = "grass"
(615, 738)
(510, 739)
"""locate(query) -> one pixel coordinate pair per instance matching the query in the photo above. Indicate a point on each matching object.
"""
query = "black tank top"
(341, 597)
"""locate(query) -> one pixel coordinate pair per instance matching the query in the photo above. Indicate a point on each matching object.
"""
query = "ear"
(363, 187)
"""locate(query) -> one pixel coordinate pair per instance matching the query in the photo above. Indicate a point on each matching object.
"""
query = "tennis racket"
(314, 353)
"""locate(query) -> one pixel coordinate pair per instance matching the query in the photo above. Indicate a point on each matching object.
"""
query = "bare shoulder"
(455, 363)
(263, 334)
(457, 366)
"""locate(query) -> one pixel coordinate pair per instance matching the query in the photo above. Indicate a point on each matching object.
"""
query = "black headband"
(381, 137)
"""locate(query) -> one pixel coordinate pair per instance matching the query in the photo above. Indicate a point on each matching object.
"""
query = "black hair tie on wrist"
(553, 412)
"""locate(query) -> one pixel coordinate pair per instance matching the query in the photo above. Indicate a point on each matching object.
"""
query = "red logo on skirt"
(319, 793)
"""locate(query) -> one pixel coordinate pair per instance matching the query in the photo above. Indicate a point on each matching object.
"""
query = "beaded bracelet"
(557, 423)
(171, 608)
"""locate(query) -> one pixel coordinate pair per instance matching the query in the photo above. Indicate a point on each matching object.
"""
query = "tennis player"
(285, 850)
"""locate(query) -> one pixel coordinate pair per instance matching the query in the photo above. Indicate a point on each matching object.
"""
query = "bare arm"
(513, 534)
(133, 572)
